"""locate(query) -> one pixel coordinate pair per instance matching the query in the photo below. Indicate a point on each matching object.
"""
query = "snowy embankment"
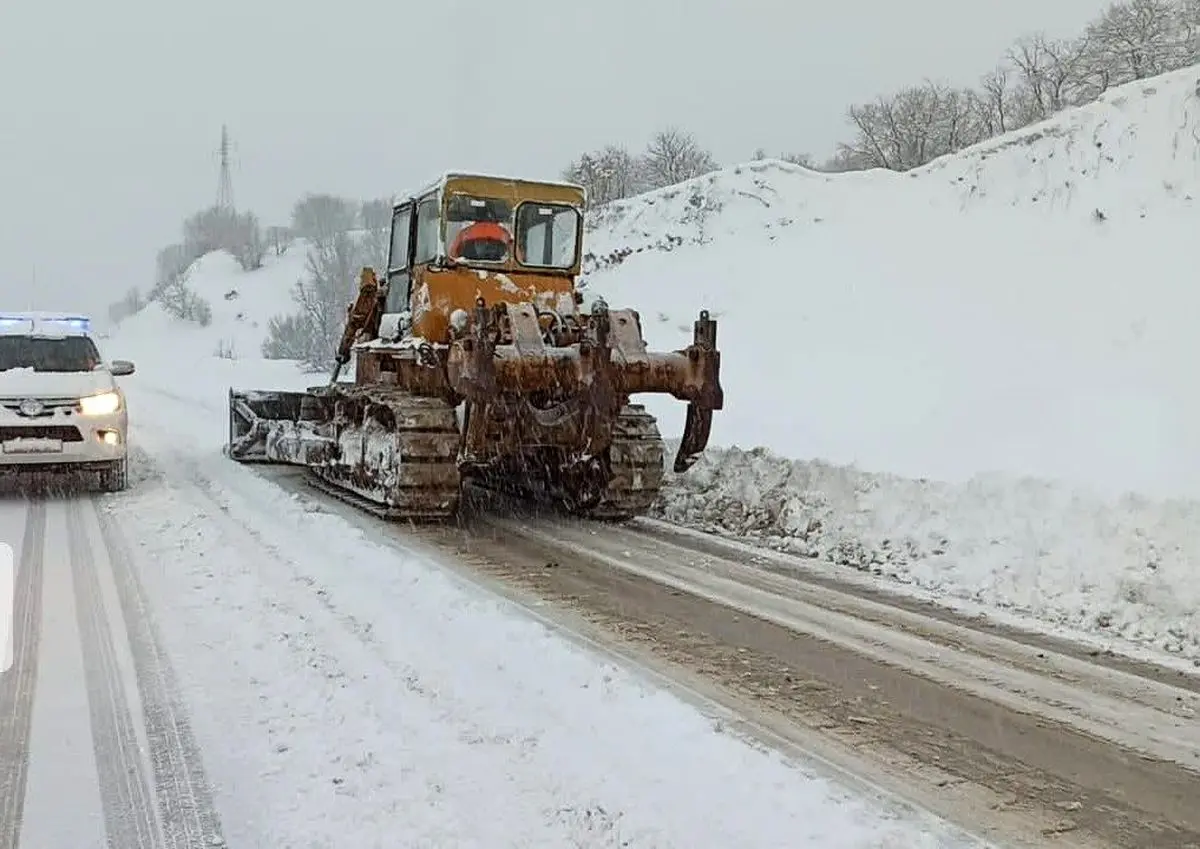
(974, 362)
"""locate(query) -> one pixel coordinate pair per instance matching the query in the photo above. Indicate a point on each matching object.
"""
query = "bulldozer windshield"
(547, 235)
(478, 229)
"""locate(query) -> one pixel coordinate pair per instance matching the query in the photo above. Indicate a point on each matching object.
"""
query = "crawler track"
(635, 459)
(352, 498)
(400, 453)
(426, 491)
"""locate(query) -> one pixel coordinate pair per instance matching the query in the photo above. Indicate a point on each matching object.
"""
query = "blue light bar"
(46, 321)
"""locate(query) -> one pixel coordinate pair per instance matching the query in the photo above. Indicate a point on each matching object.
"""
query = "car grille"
(65, 433)
(50, 406)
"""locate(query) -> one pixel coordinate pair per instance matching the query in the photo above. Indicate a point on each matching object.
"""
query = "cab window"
(399, 279)
(478, 229)
(401, 225)
(427, 231)
(547, 235)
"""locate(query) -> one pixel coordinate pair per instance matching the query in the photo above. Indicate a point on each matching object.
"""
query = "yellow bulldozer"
(474, 363)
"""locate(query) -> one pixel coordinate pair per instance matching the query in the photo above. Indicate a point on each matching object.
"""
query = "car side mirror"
(120, 368)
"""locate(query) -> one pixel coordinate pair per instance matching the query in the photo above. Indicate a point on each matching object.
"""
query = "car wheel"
(116, 477)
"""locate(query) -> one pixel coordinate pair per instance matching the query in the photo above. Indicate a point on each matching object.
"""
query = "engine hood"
(27, 383)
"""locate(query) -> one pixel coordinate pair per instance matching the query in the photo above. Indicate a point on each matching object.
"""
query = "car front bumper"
(60, 440)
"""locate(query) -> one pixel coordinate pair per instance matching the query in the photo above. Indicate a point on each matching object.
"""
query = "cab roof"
(513, 188)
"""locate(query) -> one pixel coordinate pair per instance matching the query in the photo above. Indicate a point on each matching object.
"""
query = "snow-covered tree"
(673, 156)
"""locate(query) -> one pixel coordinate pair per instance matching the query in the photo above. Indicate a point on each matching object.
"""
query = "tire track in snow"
(18, 684)
(124, 787)
(185, 799)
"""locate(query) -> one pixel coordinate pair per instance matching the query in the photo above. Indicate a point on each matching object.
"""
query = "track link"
(346, 496)
(398, 455)
(635, 458)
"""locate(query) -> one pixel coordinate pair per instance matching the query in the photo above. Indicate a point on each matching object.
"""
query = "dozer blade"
(268, 426)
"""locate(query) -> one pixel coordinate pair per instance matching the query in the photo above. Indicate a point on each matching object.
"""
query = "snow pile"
(1121, 568)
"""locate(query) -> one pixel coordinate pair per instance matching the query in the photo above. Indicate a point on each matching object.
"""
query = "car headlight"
(103, 404)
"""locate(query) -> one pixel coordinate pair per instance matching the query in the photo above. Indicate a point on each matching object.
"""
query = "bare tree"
(845, 159)
(209, 230)
(1135, 40)
(995, 104)
(321, 297)
(171, 264)
(1037, 78)
(795, 158)
(1188, 22)
(178, 300)
(609, 174)
(131, 304)
(1050, 75)
(674, 156)
(291, 337)
(912, 127)
(376, 216)
(957, 121)
(320, 217)
(246, 241)
(280, 239)
(803, 159)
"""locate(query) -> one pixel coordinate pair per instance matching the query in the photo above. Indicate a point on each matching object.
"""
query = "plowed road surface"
(1019, 738)
(1027, 742)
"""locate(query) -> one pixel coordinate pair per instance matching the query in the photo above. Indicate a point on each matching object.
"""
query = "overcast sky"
(112, 111)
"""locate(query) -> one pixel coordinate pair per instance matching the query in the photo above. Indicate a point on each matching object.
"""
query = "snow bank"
(1121, 568)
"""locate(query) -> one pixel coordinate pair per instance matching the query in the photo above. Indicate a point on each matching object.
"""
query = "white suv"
(60, 409)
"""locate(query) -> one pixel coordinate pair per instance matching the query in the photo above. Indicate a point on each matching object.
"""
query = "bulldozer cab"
(469, 236)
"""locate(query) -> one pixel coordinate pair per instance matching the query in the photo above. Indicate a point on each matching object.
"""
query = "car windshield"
(70, 353)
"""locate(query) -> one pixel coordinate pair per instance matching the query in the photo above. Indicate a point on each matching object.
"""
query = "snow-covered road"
(341, 692)
(220, 655)
(89, 712)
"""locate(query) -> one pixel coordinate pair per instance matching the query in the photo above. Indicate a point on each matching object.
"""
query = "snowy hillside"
(973, 315)
(1024, 308)
(208, 360)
